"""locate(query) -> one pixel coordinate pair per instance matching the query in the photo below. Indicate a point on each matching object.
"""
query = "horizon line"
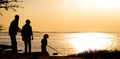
(68, 31)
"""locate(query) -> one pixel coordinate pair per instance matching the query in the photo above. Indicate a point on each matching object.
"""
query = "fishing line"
(54, 49)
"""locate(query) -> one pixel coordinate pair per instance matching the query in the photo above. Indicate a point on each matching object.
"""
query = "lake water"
(69, 43)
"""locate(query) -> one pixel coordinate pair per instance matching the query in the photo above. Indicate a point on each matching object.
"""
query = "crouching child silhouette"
(44, 44)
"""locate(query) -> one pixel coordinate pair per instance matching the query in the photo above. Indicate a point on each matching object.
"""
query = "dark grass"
(98, 54)
(90, 54)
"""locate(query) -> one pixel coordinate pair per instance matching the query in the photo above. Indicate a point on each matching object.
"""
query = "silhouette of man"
(44, 43)
(13, 28)
(27, 35)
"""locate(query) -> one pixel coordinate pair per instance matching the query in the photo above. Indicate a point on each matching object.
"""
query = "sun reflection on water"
(90, 41)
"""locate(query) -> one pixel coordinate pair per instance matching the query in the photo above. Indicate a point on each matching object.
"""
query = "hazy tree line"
(9, 4)
(6, 5)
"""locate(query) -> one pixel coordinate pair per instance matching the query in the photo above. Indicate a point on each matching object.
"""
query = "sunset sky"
(67, 15)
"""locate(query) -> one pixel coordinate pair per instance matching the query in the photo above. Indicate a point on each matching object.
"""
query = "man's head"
(17, 17)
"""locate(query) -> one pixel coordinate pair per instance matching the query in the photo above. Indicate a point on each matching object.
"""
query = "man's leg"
(14, 44)
(29, 43)
(25, 42)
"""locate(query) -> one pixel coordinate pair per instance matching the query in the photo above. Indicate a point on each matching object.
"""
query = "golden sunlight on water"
(90, 41)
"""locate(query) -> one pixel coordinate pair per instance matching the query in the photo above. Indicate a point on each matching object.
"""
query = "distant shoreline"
(65, 32)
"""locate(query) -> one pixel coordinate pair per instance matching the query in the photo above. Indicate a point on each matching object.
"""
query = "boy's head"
(27, 21)
(46, 36)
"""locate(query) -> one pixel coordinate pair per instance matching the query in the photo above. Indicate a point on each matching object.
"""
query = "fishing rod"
(54, 50)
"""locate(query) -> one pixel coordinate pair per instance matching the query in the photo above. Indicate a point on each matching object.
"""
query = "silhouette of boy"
(13, 29)
(27, 35)
(44, 43)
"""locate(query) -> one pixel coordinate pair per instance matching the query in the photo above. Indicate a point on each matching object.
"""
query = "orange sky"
(67, 15)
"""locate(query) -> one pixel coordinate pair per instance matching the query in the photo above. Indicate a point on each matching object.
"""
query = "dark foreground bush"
(98, 54)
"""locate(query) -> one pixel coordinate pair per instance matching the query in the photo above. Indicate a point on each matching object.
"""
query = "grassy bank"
(91, 54)
(101, 54)
(98, 54)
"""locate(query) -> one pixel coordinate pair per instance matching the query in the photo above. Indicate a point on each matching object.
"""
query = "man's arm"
(31, 32)
(19, 30)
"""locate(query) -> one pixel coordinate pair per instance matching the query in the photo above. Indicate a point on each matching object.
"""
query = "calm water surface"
(70, 43)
